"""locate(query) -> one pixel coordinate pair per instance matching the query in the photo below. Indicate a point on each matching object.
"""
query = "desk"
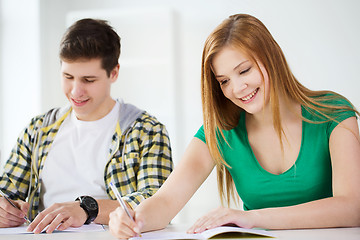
(305, 234)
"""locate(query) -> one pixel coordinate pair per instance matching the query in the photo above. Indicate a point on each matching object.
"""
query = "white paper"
(84, 228)
(163, 235)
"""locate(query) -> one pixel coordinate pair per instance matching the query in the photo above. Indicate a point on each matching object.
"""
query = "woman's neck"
(289, 111)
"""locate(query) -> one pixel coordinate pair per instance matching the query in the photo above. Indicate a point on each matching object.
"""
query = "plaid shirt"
(139, 161)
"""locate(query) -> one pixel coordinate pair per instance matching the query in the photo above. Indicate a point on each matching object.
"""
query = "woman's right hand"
(11, 216)
(121, 226)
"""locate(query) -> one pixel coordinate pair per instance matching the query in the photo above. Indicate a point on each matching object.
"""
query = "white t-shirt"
(76, 162)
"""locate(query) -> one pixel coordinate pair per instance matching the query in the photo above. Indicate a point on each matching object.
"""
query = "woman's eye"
(223, 82)
(245, 71)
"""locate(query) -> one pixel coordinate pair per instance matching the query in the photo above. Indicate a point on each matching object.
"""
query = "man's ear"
(115, 73)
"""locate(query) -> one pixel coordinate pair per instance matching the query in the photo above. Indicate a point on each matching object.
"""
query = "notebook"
(218, 232)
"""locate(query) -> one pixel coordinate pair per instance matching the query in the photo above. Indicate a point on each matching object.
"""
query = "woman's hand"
(121, 226)
(222, 216)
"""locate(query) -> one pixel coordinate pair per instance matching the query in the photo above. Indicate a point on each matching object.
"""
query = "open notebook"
(211, 233)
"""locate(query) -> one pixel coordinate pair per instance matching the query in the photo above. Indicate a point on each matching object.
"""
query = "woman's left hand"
(222, 216)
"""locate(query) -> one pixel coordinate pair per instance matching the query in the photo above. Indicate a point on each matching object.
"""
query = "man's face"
(87, 87)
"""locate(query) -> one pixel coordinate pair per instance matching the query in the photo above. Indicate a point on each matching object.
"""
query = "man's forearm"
(106, 206)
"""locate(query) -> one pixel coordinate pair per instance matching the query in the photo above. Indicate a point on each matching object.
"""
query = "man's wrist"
(90, 206)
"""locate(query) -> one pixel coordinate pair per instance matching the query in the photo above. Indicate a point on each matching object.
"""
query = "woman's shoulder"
(328, 106)
(332, 99)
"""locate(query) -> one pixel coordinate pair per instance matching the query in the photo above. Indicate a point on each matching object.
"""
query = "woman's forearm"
(328, 212)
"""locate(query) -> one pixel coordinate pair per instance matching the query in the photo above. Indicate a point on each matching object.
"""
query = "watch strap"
(92, 211)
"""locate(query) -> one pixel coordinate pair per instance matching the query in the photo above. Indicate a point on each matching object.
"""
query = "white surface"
(307, 234)
(84, 228)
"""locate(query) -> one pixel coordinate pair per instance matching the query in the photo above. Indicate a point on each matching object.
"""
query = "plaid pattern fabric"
(138, 172)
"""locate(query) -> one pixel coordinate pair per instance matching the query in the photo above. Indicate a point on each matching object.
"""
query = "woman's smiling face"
(241, 80)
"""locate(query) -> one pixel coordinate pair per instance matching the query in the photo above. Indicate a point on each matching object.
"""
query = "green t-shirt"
(310, 178)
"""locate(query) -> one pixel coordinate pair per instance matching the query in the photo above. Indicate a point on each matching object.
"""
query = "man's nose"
(77, 89)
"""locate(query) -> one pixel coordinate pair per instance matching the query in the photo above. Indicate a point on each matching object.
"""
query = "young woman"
(291, 154)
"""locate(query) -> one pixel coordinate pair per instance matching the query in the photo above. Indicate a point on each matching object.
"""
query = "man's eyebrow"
(67, 74)
(89, 76)
(86, 76)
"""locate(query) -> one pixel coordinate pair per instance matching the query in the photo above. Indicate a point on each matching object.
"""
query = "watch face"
(90, 203)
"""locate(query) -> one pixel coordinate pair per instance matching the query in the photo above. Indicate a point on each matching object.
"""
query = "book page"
(163, 235)
(84, 228)
(223, 229)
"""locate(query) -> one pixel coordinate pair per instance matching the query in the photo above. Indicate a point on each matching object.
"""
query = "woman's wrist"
(253, 218)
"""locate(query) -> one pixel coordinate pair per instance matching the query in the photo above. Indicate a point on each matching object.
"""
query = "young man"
(60, 169)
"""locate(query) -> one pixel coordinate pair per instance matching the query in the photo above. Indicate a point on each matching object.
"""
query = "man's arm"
(148, 167)
(15, 178)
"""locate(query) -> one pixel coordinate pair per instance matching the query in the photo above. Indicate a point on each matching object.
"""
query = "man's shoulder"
(145, 117)
(48, 118)
(148, 123)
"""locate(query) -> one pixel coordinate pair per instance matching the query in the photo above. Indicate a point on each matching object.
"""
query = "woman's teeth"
(248, 97)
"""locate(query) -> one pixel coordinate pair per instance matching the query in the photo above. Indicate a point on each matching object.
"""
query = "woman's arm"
(157, 211)
(341, 210)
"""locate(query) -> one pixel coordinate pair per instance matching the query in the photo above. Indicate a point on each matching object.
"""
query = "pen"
(122, 203)
(118, 197)
(12, 204)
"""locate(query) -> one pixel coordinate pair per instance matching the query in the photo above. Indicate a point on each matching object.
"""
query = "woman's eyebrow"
(237, 66)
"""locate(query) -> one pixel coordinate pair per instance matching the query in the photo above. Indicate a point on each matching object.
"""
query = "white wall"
(20, 69)
(320, 39)
(1, 85)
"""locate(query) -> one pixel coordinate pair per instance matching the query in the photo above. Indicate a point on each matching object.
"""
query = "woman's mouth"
(249, 96)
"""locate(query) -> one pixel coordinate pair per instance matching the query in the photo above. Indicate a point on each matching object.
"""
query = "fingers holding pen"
(10, 216)
(8, 220)
(122, 226)
(24, 206)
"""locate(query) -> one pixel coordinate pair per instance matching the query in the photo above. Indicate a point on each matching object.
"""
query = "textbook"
(218, 232)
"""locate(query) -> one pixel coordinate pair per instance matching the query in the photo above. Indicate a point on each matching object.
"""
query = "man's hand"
(59, 216)
(10, 216)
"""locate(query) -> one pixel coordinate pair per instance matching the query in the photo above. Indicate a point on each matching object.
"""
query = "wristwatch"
(90, 206)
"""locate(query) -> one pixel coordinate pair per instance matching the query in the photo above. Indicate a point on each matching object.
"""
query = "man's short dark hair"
(91, 38)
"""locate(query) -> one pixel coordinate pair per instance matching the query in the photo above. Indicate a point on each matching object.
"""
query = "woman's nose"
(239, 86)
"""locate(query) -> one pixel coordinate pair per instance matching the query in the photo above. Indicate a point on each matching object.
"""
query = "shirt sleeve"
(15, 177)
(149, 161)
(201, 134)
(340, 115)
